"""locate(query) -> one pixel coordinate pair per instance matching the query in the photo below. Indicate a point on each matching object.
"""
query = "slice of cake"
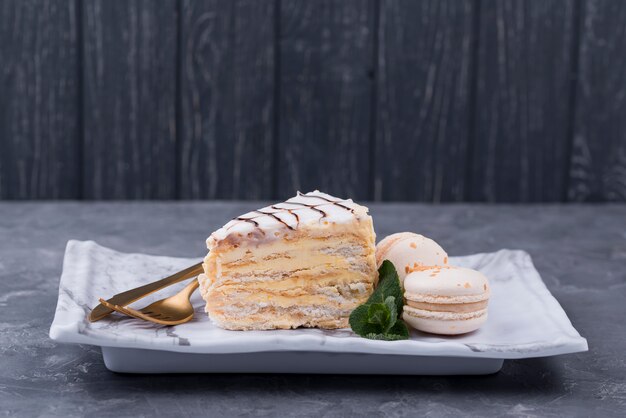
(306, 262)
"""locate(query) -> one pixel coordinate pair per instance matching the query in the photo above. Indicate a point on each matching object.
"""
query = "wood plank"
(227, 94)
(598, 165)
(129, 99)
(424, 68)
(522, 111)
(38, 105)
(326, 56)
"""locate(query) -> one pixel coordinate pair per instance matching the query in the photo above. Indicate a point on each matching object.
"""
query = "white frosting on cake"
(302, 209)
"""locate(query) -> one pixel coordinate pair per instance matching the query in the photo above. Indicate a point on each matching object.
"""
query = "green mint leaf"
(388, 285)
(398, 332)
(377, 319)
(359, 321)
(374, 336)
(379, 314)
(399, 329)
(390, 303)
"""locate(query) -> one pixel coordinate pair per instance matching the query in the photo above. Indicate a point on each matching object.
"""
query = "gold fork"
(174, 310)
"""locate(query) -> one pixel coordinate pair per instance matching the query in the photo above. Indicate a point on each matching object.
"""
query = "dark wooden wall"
(420, 100)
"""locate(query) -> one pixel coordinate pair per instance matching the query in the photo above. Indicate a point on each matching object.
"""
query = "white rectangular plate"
(524, 321)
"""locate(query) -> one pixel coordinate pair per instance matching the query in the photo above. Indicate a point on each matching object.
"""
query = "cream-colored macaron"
(446, 299)
(408, 251)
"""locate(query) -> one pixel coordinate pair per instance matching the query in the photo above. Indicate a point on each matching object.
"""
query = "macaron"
(409, 251)
(446, 300)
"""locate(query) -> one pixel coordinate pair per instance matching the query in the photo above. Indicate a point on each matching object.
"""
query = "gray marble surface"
(579, 250)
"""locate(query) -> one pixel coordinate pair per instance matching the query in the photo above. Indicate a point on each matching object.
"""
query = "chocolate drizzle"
(275, 217)
(251, 220)
(334, 202)
(290, 211)
(312, 207)
(279, 208)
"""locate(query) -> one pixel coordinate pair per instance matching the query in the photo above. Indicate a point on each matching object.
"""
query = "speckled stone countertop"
(579, 250)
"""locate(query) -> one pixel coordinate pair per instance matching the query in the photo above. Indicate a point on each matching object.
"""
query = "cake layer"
(269, 317)
(293, 280)
(305, 256)
(339, 295)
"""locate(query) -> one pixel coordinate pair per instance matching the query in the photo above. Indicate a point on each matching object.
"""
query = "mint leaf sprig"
(377, 319)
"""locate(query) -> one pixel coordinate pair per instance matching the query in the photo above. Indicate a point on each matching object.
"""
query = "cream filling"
(447, 300)
(327, 296)
(251, 313)
(293, 280)
(443, 316)
(449, 307)
(297, 260)
(291, 249)
(306, 259)
(284, 254)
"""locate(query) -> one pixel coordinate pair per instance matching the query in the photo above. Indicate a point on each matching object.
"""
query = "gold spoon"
(174, 310)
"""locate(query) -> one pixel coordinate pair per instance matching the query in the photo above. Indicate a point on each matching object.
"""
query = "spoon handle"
(190, 288)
